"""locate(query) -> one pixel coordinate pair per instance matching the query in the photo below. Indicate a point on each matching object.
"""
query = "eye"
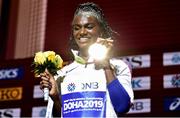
(76, 27)
(90, 26)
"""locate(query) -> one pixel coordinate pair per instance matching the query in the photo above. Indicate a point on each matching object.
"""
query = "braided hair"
(97, 12)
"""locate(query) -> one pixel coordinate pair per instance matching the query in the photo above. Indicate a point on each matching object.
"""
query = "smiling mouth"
(83, 40)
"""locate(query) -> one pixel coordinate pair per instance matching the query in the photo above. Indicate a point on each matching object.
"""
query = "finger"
(45, 84)
(109, 40)
(45, 78)
(109, 45)
(99, 40)
(37, 76)
(42, 74)
(104, 41)
(48, 73)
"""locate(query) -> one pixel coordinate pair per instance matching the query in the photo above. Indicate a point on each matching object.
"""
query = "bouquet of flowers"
(46, 60)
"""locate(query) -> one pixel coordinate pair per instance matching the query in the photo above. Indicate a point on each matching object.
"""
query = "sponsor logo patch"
(172, 104)
(141, 106)
(11, 93)
(11, 73)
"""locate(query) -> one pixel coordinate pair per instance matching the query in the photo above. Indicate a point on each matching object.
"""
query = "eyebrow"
(84, 24)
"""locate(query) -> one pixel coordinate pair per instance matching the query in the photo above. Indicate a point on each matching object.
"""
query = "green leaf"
(79, 59)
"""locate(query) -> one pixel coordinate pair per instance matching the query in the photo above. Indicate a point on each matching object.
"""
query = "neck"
(84, 55)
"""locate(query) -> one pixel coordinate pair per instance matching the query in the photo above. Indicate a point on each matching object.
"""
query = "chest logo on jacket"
(90, 85)
(71, 87)
(84, 86)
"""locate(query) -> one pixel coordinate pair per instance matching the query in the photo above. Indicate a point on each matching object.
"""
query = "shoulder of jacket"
(118, 62)
(120, 65)
(67, 68)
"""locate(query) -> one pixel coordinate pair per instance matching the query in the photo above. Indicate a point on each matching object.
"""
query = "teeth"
(83, 39)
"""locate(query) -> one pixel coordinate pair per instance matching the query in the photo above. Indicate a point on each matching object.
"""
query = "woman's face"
(86, 30)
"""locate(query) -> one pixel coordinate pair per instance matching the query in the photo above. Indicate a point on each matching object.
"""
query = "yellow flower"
(59, 61)
(39, 58)
(50, 55)
(47, 60)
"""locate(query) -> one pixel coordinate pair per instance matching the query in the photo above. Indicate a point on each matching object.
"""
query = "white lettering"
(83, 104)
(174, 104)
(10, 73)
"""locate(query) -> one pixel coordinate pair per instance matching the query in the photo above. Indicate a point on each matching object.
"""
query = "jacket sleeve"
(120, 89)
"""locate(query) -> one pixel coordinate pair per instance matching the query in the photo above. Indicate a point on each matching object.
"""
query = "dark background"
(144, 27)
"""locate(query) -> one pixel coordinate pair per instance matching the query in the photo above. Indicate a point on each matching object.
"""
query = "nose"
(83, 31)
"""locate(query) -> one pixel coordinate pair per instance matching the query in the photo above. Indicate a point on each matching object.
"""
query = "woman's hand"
(106, 42)
(104, 63)
(48, 81)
